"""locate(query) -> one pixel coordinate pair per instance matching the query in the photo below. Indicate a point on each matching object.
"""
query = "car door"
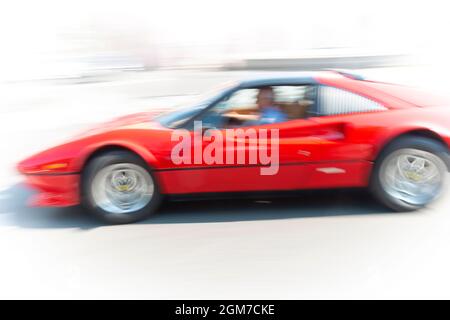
(291, 157)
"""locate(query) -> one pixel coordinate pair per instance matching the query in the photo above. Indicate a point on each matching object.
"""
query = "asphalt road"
(315, 245)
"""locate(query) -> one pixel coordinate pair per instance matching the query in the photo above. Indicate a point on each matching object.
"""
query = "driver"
(268, 111)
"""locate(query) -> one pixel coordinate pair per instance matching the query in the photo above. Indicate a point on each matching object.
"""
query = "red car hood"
(63, 153)
(134, 118)
(144, 118)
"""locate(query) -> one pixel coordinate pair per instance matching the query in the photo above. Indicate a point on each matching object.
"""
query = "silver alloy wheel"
(413, 176)
(122, 188)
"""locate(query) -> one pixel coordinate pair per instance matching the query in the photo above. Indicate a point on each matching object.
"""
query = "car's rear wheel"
(410, 173)
(118, 187)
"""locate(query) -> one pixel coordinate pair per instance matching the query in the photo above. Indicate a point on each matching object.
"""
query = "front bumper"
(54, 190)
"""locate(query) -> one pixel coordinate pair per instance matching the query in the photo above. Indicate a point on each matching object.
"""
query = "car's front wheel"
(410, 173)
(118, 187)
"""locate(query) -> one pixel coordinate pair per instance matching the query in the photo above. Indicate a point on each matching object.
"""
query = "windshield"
(184, 112)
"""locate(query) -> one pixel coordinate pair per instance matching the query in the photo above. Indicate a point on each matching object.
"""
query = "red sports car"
(309, 131)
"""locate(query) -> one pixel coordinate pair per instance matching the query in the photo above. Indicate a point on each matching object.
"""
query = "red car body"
(350, 142)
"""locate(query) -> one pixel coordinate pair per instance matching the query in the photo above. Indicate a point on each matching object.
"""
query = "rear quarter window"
(335, 101)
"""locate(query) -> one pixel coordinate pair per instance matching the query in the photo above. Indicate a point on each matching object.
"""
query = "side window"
(334, 101)
(241, 100)
(294, 101)
(289, 94)
(261, 105)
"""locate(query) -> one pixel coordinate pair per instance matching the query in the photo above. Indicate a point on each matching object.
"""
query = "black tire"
(407, 142)
(116, 157)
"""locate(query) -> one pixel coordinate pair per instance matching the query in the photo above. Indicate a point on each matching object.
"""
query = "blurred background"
(87, 39)
(66, 65)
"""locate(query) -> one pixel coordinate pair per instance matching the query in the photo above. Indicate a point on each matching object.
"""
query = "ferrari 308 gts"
(317, 130)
